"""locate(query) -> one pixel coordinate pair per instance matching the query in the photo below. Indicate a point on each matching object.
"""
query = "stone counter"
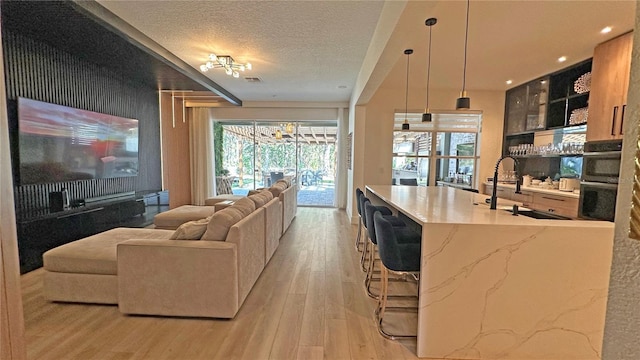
(498, 286)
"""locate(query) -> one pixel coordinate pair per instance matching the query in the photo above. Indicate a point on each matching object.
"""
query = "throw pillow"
(191, 230)
(221, 222)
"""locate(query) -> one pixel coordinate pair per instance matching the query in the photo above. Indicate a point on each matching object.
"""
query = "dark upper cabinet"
(557, 100)
(526, 107)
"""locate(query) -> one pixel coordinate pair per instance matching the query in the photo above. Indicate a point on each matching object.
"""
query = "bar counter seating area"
(494, 284)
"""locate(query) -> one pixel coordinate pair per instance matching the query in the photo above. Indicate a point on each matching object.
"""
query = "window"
(452, 159)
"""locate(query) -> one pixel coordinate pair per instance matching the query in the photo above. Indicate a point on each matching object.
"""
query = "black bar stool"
(386, 213)
(398, 225)
(359, 241)
(399, 255)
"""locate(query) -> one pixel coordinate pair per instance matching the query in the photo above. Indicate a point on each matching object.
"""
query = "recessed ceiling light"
(509, 82)
(562, 59)
(605, 30)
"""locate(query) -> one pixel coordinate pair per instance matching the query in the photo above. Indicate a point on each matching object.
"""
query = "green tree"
(218, 146)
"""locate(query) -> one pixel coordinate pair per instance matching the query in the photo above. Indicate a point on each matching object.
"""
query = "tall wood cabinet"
(609, 84)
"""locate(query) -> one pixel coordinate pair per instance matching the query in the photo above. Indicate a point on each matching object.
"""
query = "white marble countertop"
(447, 205)
(569, 194)
(498, 286)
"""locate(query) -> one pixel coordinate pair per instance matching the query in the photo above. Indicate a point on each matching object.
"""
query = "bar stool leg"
(382, 307)
(358, 238)
(370, 271)
(365, 249)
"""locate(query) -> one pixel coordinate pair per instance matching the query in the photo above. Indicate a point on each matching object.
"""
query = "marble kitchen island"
(498, 286)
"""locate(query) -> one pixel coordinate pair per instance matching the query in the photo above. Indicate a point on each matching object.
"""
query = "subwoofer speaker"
(56, 201)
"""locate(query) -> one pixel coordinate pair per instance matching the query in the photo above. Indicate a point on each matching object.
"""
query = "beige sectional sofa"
(172, 219)
(164, 272)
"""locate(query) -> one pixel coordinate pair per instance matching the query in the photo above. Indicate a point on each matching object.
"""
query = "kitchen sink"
(541, 215)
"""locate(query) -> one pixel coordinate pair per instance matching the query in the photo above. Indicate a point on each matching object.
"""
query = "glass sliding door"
(238, 150)
(275, 152)
(317, 163)
(257, 154)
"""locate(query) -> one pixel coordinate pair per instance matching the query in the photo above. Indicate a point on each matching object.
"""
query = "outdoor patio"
(308, 195)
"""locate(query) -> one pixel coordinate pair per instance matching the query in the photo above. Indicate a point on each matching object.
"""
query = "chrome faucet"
(494, 197)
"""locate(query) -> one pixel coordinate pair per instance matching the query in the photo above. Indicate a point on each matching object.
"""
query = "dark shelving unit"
(563, 99)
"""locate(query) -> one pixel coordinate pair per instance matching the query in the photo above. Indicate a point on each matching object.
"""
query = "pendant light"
(405, 125)
(289, 128)
(426, 117)
(463, 102)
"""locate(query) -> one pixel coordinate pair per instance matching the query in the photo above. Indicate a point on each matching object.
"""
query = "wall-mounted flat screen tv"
(59, 143)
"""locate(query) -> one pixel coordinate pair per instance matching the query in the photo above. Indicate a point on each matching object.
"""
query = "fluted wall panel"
(41, 72)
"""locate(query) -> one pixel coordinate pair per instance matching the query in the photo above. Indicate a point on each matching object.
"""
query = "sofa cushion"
(245, 205)
(192, 230)
(175, 217)
(285, 181)
(220, 198)
(257, 199)
(221, 222)
(261, 198)
(96, 254)
(277, 188)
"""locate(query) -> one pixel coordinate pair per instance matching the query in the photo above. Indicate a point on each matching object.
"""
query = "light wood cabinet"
(542, 201)
(507, 193)
(609, 85)
(560, 205)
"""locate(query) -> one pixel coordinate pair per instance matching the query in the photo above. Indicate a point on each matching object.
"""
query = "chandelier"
(226, 62)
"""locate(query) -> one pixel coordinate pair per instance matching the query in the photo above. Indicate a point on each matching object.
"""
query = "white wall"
(380, 121)
(622, 324)
(373, 131)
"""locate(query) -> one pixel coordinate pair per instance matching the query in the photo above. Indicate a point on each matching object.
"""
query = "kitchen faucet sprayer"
(494, 197)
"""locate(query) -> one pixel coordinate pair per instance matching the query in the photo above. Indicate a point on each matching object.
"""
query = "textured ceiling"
(301, 50)
(305, 50)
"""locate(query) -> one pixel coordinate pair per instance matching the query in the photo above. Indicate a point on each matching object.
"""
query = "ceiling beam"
(109, 20)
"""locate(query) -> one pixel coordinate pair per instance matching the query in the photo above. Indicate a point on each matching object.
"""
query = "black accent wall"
(42, 72)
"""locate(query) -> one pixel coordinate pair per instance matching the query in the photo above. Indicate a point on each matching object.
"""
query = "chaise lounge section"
(206, 268)
(86, 270)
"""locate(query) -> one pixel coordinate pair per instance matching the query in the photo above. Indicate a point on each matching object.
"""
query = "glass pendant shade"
(289, 128)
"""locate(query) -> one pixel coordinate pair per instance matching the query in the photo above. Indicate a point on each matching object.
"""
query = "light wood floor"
(309, 303)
